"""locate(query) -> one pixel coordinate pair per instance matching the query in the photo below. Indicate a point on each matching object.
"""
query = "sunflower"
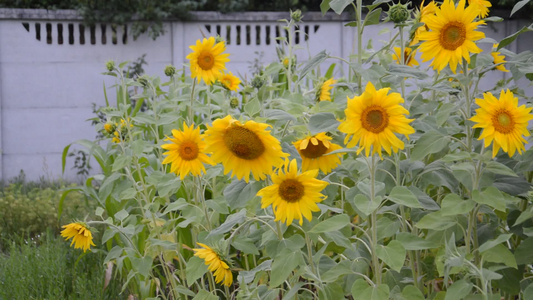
(373, 118)
(324, 92)
(243, 148)
(215, 264)
(452, 35)
(314, 152)
(480, 6)
(230, 81)
(207, 60)
(186, 152)
(498, 59)
(293, 194)
(502, 121)
(423, 13)
(408, 56)
(81, 236)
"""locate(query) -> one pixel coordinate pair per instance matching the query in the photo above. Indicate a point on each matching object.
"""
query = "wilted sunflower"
(208, 60)
(81, 236)
(408, 56)
(452, 35)
(186, 152)
(293, 195)
(372, 120)
(325, 94)
(215, 264)
(230, 81)
(503, 122)
(314, 152)
(243, 148)
(480, 6)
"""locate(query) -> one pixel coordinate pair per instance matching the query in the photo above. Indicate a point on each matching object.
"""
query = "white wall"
(47, 88)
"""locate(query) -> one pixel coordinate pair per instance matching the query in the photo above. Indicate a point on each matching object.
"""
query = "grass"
(53, 270)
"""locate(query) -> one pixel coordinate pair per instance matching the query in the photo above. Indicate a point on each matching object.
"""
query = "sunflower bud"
(296, 16)
(170, 70)
(233, 102)
(399, 13)
(143, 80)
(109, 127)
(258, 81)
(110, 65)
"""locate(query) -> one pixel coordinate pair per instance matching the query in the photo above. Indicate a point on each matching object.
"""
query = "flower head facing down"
(325, 90)
(314, 152)
(186, 152)
(408, 56)
(215, 264)
(243, 148)
(452, 35)
(80, 234)
(503, 122)
(373, 119)
(293, 195)
(230, 81)
(208, 60)
(480, 6)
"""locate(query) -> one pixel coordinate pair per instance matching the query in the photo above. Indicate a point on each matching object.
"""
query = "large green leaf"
(284, 264)
(523, 253)
(453, 205)
(430, 142)
(491, 196)
(364, 205)
(322, 122)
(404, 196)
(458, 290)
(500, 254)
(331, 224)
(361, 290)
(413, 242)
(393, 255)
(436, 221)
(338, 6)
(196, 268)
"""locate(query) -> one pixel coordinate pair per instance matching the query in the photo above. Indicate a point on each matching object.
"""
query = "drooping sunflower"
(243, 148)
(186, 152)
(503, 122)
(207, 60)
(372, 120)
(230, 81)
(498, 59)
(215, 264)
(325, 88)
(314, 152)
(452, 35)
(80, 234)
(481, 7)
(408, 56)
(293, 195)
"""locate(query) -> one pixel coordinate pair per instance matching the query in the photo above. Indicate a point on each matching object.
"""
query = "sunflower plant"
(393, 175)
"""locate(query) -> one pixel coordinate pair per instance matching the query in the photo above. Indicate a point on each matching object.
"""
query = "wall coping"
(211, 16)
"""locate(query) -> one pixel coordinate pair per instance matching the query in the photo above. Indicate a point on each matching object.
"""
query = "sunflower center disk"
(291, 190)
(206, 60)
(314, 151)
(453, 36)
(374, 119)
(503, 122)
(188, 150)
(243, 143)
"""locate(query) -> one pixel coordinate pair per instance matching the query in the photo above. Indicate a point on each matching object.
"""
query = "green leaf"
(491, 196)
(196, 268)
(176, 205)
(499, 254)
(404, 196)
(506, 41)
(373, 18)
(142, 265)
(362, 291)
(453, 205)
(324, 6)
(231, 221)
(443, 114)
(121, 162)
(458, 290)
(248, 276)
(492, 243)
(341, 269)
(283, 265)
(238, 193)
(322, 122)
(205, 295)
(410, 292)
(339, 5)
(331, 224)
(523, 253)
(314, 62)
(498, 168)
(252, 108)
(393, 254)
(278, 114)
(64, 158)
(430, 142)
(413, 242)
(406, 71)
(121, 215)
(363, 204)
(517, 7)
(528, 292)
(436, 221)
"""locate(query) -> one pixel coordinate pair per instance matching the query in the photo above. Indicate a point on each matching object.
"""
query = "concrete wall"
(51, 65)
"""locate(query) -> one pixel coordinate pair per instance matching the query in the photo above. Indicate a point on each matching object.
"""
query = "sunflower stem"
(191, 120)
(310, 253)
(358, 11)
(373, 220)
(468, 108)
(278, 228)
(402, 58)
